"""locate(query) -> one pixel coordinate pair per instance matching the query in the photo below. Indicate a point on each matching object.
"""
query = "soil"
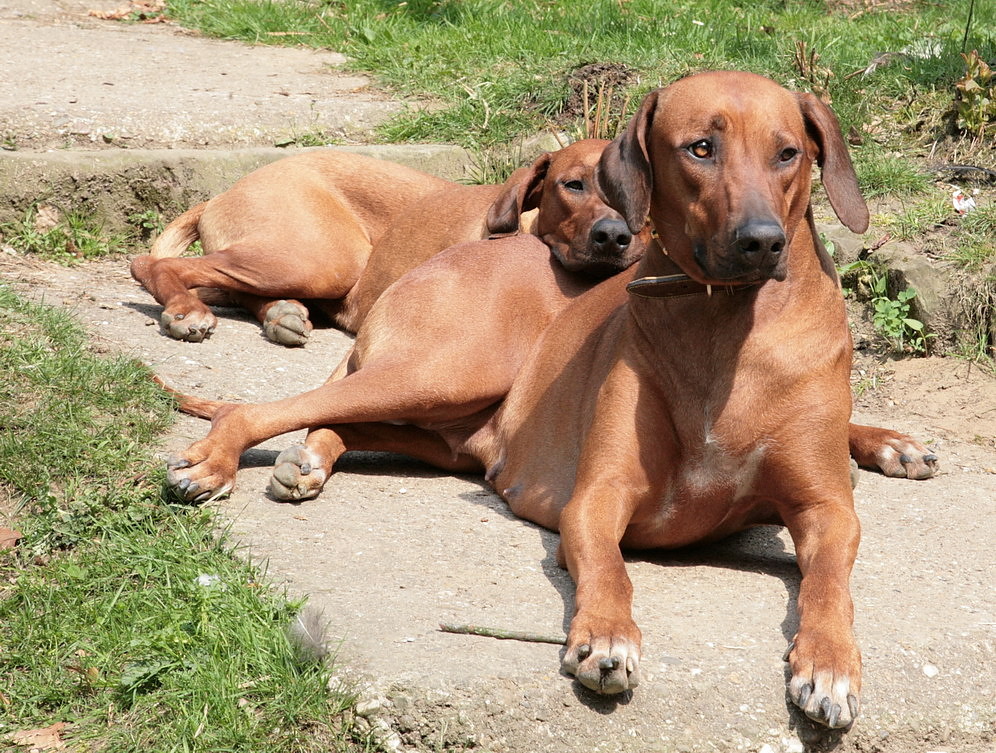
(392, 547)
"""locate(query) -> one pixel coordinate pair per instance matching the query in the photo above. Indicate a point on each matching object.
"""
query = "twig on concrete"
(505, 635)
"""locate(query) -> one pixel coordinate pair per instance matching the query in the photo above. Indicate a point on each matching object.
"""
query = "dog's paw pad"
(193, 327)
(297, 474)
(287, 323)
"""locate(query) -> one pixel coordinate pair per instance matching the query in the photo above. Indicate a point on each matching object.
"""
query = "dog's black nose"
(760, 240)
(609, 236)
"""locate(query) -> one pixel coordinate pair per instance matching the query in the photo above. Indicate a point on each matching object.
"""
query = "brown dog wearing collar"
(329, 230)
(710, 396)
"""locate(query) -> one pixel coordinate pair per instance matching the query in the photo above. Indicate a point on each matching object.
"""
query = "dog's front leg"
(824, 658)
(603, 645)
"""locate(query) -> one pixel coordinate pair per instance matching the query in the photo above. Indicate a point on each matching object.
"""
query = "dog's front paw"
(825, 684)
(287, 323)
(193, 326)
(299, 473)
(194, 476)
(604, 659)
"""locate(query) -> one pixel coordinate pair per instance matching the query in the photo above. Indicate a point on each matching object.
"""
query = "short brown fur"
(632, 421)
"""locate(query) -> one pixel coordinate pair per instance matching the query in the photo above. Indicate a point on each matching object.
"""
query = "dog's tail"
(179, 234)
(192, 406)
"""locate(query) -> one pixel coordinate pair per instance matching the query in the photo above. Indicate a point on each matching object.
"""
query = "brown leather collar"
(679, 284)
(676, 286)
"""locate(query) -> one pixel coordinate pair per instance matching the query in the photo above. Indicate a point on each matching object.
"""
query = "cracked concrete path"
(73, 80)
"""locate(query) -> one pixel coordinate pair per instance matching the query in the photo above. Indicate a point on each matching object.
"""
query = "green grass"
(104, 623)
(977, 238)
(66, 237)
(919, 216)
(499, 68)
(883, 173)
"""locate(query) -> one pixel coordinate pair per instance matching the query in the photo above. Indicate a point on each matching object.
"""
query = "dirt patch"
(597, 86)
(392, 548)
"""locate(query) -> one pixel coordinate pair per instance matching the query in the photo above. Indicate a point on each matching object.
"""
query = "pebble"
(369, 707)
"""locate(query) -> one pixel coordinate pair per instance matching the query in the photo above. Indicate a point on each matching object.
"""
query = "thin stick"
(505, 635)
(587, 114)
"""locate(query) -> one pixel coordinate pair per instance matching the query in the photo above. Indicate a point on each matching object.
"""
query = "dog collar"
(677, 285)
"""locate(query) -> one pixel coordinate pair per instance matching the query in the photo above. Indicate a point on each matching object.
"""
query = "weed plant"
(65, 238)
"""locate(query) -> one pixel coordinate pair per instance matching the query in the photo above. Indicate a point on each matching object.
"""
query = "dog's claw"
(826, 707)
(609, 663)
(832, 714)
(807, 690)
(852, 705)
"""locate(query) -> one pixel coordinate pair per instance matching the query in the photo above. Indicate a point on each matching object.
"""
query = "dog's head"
(583, 232)
(722, 164)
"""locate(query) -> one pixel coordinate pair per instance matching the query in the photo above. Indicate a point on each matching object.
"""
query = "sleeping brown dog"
(329, 230)
(703, 392)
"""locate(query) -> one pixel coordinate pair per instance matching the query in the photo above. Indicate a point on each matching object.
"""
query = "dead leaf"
(46, 218)
(48, 738)
(146, 11)
(9, 538)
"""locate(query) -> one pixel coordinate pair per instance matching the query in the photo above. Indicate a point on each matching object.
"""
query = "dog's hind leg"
(184, 316)
(254, 278)
(385, 392)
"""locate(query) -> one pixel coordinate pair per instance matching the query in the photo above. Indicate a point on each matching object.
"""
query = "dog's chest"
(715, 471)
(710, 493)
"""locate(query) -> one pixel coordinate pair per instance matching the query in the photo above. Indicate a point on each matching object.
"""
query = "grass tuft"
(121, 614)
(67, 238)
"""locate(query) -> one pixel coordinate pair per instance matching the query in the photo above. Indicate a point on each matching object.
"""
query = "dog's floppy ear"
(522, 192)
(839, 180)
(624, 176)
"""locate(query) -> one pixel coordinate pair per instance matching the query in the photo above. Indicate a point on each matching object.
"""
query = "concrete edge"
(114, 184)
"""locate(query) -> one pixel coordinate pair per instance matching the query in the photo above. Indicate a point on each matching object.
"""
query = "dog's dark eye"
(788, 154)
(574, 185)
(701, 149)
